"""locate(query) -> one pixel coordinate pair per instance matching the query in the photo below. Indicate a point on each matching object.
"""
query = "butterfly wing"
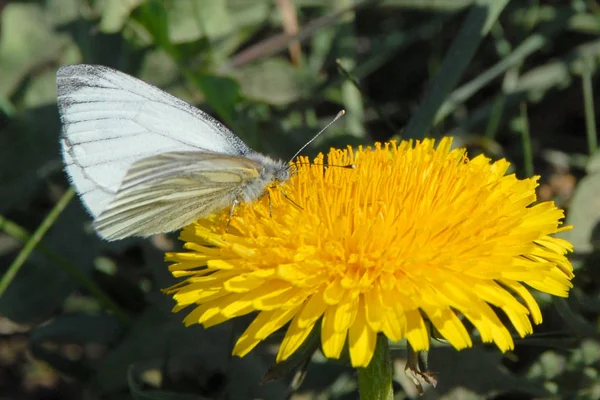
(168, 191)
(111, 120)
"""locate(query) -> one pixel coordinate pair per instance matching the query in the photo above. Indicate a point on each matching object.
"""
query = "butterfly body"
(273, 172)
(145, 162)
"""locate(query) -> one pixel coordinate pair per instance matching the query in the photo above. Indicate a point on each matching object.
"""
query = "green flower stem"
(375, 381)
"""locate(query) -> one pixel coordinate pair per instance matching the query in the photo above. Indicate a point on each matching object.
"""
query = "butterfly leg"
(270, 205)
(233, 206)
(291, 201)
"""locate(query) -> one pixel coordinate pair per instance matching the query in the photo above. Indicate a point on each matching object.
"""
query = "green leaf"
(115, 14)
(249, 14)
(193, 19)
(221, 93)
(574, 321)
(584, 215)
(162, 71)
(60, 12)
(25, 45)
(152, 14)
(593, 164)
(41, 91)
(273, 81)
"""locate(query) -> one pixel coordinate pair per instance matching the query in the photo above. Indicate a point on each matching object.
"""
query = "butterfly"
(145, 162)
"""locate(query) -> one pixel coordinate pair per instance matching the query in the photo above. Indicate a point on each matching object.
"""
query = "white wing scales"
(111, 120)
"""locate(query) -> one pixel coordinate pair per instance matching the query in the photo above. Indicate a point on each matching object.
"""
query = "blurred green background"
(81, 318)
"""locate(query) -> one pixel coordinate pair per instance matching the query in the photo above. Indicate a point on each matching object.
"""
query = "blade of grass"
(511, 60)
(532, 84)
(394, 129)
(478, 22)
(39, 233)
(496, 115)
(588, 101)
(384, 50)
(346, 44)
(6, 107)
(526, 140)
(463, 93)
(17, 232)
(504, 49)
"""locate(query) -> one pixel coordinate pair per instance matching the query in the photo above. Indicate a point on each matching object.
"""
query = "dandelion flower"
(414, 235)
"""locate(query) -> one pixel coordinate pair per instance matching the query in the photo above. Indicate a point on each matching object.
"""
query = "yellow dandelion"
(414, 235)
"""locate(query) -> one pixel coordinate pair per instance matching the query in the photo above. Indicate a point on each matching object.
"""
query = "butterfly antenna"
(338, 116)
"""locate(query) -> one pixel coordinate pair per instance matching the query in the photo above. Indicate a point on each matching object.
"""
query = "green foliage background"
(83, 318)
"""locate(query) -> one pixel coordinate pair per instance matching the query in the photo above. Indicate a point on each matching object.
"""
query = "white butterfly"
(145, 162)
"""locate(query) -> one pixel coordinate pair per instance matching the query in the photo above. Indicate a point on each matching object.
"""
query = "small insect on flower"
(145, 162)
(414, 235)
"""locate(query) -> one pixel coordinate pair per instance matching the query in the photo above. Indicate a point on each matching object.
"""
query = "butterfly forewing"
(111, 120)
(168, 191)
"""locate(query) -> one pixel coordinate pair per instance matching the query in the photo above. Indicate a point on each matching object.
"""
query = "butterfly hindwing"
(165, 192)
